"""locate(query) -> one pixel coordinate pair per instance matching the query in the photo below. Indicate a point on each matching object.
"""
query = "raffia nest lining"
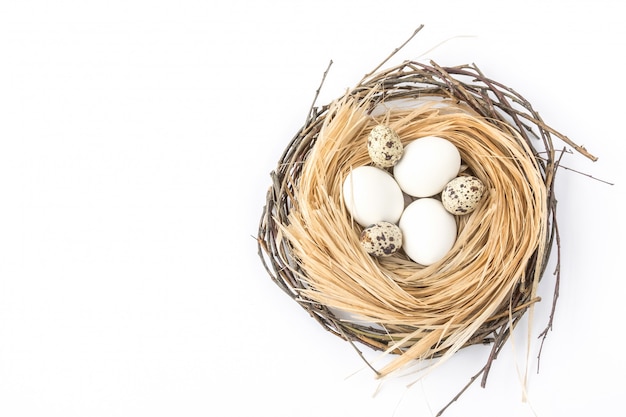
(486, 283)
(420, 312)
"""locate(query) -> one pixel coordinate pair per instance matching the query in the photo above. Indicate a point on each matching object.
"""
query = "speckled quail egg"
(384, 146)
(462, 194)
(381, 239)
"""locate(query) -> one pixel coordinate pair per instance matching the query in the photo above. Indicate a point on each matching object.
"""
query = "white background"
(136, 141)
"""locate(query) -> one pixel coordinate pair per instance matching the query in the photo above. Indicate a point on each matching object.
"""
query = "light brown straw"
(425, 311)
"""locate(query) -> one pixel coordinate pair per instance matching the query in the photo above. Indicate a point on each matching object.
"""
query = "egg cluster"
(409, 196)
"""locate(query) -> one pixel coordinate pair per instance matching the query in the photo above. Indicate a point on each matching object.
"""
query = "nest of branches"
(486, 283)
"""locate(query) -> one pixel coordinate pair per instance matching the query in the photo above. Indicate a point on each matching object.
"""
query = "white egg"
(372, 195)
(426, 166)
(428, 231)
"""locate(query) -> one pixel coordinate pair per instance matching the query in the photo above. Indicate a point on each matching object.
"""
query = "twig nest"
(324, 184)
(384, 146)
(381, 239)
(462, 195)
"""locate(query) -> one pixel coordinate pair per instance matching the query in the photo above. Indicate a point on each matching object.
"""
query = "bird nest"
(479, 291)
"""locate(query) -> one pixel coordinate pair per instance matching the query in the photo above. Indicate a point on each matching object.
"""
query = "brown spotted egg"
(381, 239)
(462, 194)
(384, 146)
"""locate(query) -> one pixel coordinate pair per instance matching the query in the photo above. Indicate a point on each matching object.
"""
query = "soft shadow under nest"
(487, 282)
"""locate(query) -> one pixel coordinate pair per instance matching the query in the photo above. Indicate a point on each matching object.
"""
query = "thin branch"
(583, 174)
(544, 334)
(395, 51)
(462, 391)
(311, 114)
